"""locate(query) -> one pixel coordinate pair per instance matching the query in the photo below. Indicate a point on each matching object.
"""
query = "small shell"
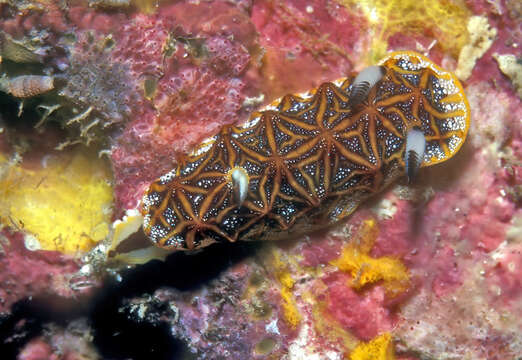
(26, 86)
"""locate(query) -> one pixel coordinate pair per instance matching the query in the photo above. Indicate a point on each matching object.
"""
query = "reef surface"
(116, 90)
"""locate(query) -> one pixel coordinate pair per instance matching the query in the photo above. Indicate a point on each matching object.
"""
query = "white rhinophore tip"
(364, 82)
(240, 183)
(414, 154)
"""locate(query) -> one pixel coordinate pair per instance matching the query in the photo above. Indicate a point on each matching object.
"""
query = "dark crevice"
(17, 328)
(117, 336)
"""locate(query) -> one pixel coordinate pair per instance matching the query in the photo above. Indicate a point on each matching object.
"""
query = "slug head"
(424, 100)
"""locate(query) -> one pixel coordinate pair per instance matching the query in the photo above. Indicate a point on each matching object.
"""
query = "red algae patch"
(365, 314)
(192, 68)
(25, 273)
(314, 39)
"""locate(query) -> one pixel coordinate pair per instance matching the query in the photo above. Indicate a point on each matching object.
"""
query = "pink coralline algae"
(200, 83)
(25, 273)
(365, 316)
(70, 343)
(312, 38)
(430, 269)
(213, 329)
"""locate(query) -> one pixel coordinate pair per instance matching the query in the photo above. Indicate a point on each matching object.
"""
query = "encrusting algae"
(364, 269)
(65, 201)
(379, 348)
(290, 310)
(446, 21)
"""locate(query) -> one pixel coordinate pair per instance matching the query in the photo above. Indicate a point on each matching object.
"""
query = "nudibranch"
(309, 160)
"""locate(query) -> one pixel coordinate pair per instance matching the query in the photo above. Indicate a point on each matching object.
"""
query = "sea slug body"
(309, 160)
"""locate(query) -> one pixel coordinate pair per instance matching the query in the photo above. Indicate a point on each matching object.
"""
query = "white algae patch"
(512, 69)
(481, 36)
